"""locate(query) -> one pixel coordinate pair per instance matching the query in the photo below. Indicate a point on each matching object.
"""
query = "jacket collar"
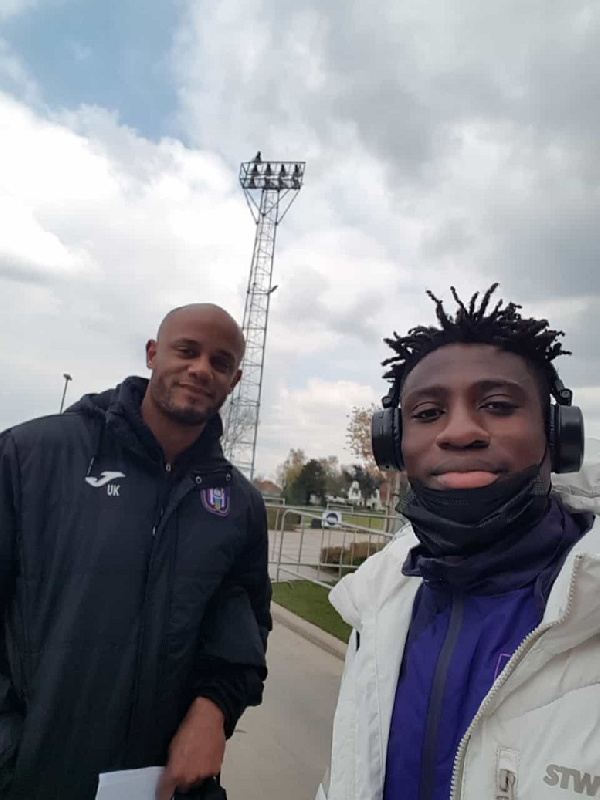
(367, 592)
(119, 411)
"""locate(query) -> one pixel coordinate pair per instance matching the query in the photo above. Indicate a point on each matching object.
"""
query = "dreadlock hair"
(502, 326)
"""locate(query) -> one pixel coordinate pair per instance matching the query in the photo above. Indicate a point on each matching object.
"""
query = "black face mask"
(462, 522)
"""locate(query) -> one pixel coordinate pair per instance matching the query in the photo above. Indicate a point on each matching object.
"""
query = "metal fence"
(301, 548)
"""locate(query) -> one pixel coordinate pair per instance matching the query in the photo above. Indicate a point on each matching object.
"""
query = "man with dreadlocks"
(473, 670)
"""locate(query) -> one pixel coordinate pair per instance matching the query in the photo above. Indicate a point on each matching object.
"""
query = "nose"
(200, 368)
(463, 430)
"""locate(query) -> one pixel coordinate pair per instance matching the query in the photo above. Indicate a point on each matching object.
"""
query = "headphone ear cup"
(552, 436)
(399, 459)
(566, 438)
(386, 438)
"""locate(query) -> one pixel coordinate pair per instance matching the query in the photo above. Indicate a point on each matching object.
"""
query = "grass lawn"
(310, 602)
(374, 522)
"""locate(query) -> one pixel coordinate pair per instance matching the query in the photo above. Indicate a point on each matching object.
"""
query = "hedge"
(353, 555)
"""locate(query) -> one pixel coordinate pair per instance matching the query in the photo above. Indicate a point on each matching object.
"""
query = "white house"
(355, 497)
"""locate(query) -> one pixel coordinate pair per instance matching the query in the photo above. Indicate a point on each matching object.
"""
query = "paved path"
(281, 749)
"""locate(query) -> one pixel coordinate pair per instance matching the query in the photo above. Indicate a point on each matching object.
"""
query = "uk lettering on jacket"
(473, 668)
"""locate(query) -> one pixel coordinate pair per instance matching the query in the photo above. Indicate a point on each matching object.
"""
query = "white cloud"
(463, 140)
(10, 8)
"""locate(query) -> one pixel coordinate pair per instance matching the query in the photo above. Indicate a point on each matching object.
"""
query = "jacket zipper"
(506, 785)
(138, 660)
(436, 701)
(198, 479)
(161, 511)
(525, 645)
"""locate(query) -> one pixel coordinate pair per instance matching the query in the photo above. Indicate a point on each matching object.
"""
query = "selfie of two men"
(322, 526)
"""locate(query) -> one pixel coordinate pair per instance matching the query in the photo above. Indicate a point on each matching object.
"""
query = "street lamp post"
(67, 378)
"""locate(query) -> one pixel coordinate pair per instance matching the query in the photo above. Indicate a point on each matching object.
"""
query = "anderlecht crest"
(217, 500)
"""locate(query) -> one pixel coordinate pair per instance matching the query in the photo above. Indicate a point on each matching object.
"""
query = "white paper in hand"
(131, 784)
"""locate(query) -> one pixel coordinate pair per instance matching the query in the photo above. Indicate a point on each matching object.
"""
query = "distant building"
(374, 502)
(355, 496)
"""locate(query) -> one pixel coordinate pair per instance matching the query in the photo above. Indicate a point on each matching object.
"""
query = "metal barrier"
(297, 550)
(390, 522)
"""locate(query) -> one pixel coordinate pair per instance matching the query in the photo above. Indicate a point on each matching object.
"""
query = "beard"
(187, 415)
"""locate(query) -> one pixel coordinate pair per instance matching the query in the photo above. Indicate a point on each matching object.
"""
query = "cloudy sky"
(446, 142)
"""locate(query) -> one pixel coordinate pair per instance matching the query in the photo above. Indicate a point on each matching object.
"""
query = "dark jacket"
(127, 588)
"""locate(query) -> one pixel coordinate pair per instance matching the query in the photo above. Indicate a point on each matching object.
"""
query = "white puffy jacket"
(536, 735)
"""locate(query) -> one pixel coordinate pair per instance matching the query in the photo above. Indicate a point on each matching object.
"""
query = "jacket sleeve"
(11, 720)
(231, 666)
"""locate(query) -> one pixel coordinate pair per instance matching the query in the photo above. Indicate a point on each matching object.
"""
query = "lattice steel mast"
(270, 188)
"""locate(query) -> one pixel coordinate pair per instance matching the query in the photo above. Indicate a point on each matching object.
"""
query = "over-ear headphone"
(565, 431)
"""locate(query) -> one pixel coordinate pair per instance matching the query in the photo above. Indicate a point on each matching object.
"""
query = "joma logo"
(105, 480)
(566, 778)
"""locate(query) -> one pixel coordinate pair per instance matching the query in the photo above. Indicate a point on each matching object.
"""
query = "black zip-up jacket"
(128, 587)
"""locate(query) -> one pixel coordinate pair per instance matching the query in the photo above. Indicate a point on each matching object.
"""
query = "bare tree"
(291, 468)
(358, 436)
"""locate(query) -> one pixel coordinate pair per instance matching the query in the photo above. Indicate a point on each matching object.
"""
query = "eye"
(222, 364)
(501, 408)
(427, 414)
(186, 352)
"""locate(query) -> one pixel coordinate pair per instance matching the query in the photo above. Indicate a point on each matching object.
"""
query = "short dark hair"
(502, 326)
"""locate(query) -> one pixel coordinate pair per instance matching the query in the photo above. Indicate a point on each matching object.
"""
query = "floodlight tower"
(270, 188)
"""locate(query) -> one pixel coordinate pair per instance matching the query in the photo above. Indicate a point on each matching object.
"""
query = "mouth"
(198, 391)
(466, 480)
(466, 476)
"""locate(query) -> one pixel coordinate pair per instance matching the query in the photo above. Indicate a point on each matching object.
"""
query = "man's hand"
(197, 750)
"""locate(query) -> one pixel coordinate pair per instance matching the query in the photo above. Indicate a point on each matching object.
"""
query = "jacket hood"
(95, 405)
(126, 396)
(119, 411)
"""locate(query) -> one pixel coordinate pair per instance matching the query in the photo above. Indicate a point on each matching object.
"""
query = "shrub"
(274, 516)
(353, 555)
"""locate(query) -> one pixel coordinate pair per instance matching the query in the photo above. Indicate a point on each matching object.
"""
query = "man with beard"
(133, 587)
(474, 667)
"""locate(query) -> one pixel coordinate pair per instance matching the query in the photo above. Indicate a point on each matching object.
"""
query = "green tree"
(335, 483)
(310, 482)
